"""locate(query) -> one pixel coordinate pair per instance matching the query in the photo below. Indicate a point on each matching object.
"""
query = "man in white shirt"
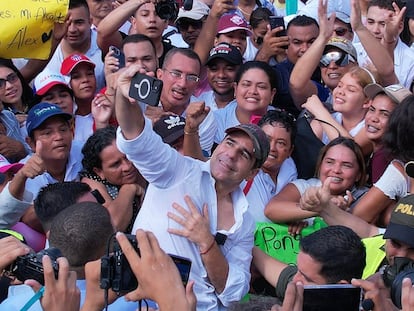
(217, 206)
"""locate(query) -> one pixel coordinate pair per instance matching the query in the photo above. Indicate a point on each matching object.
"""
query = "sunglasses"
(341, 59)
(11, 78)
(183, 24)
(341, 31)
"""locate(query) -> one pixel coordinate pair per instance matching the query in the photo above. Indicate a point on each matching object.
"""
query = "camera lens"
(167, 10)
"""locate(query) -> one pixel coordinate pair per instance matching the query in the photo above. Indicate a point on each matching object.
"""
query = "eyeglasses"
(175, 74)
(184, 23)
(341, 59)
(341, 31)
(11, 78)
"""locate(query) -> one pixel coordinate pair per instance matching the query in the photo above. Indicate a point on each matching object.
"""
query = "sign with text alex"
(26, 27)
(275, 240)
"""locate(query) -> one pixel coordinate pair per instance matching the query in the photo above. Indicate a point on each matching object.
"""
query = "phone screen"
(338, 297)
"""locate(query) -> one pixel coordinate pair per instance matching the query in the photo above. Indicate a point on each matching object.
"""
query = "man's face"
(56, 138)
(190, 29)
(83, 81)
(395, 248)
(176, 91)
(141, 53)
(236, 38)
(79, 29)
(233, 159)
(59, 95)
(147, 22)
(99, 8)
(221, 75)
(342, 30)
(377, 117)
(309, 270)
(376, 21)
(116, 168)
(280, 146)
(300, 39)
(333, 73)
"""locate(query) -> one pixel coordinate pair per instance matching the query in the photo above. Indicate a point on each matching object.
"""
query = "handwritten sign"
(27, 27)
(275, 240)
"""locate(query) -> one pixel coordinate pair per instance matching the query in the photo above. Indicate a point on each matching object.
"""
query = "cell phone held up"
(119, 55)
(338, 297)
(277, 21)
(146, 89)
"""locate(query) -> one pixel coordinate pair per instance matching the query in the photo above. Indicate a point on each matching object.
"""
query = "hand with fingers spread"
(158, 276)
(195, 225)
(61, 293)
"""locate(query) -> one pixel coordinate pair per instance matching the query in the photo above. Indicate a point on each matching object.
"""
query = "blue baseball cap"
(40, 113)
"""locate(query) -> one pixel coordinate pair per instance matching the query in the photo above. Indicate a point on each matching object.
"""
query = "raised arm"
(196, 112)
(383, 62)
(128, 113)
(319, 199)
(108, 33)
(300, 83)
(284, 207)
(205, 40)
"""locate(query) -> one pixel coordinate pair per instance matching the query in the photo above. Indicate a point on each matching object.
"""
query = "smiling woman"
(15, 94)
(108, 170)
(342, 160)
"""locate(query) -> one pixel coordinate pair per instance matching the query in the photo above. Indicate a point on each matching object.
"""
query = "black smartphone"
(277, 21)
(119, 55)
(184, 266)
(146, 89)
(338, 297)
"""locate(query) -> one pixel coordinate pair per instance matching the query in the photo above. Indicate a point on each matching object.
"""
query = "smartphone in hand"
(119, 55)
(146, 89)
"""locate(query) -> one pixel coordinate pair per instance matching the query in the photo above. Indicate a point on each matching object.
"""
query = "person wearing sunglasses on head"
(334, 66)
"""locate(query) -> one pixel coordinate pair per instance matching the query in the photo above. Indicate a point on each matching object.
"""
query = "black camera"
(146, 89)
(167, 9)
(393, 276)
(116, 272)
(30, 265)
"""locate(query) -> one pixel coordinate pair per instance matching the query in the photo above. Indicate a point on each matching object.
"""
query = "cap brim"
(173, 136)
(373, 89)
(14, 168)
(218, 56)
(230, 29)
(76, 64)
(42, 91)
(401, 233)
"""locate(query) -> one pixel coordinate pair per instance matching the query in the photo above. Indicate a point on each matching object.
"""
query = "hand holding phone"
(119, 55)
(277, 21)
(146, 89)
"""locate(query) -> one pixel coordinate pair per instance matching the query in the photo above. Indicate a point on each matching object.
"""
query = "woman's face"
(341, 164)
(348, 96)
(12, 91)
(254, 92)
(280, 146)
(378, 114)
(116, 168)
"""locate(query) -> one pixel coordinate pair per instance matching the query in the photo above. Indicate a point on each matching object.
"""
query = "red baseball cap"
(72, 61)
(232, 22)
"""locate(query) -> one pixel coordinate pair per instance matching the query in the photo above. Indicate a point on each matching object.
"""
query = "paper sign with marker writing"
(27, 27)
(275, 240)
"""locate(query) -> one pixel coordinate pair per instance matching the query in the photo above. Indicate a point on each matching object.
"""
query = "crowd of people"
(305, 123)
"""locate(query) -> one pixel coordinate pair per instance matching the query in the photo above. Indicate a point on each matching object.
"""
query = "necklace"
(243, 11)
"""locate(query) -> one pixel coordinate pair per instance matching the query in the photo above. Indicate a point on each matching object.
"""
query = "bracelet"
(209, 248)
(190, 133)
